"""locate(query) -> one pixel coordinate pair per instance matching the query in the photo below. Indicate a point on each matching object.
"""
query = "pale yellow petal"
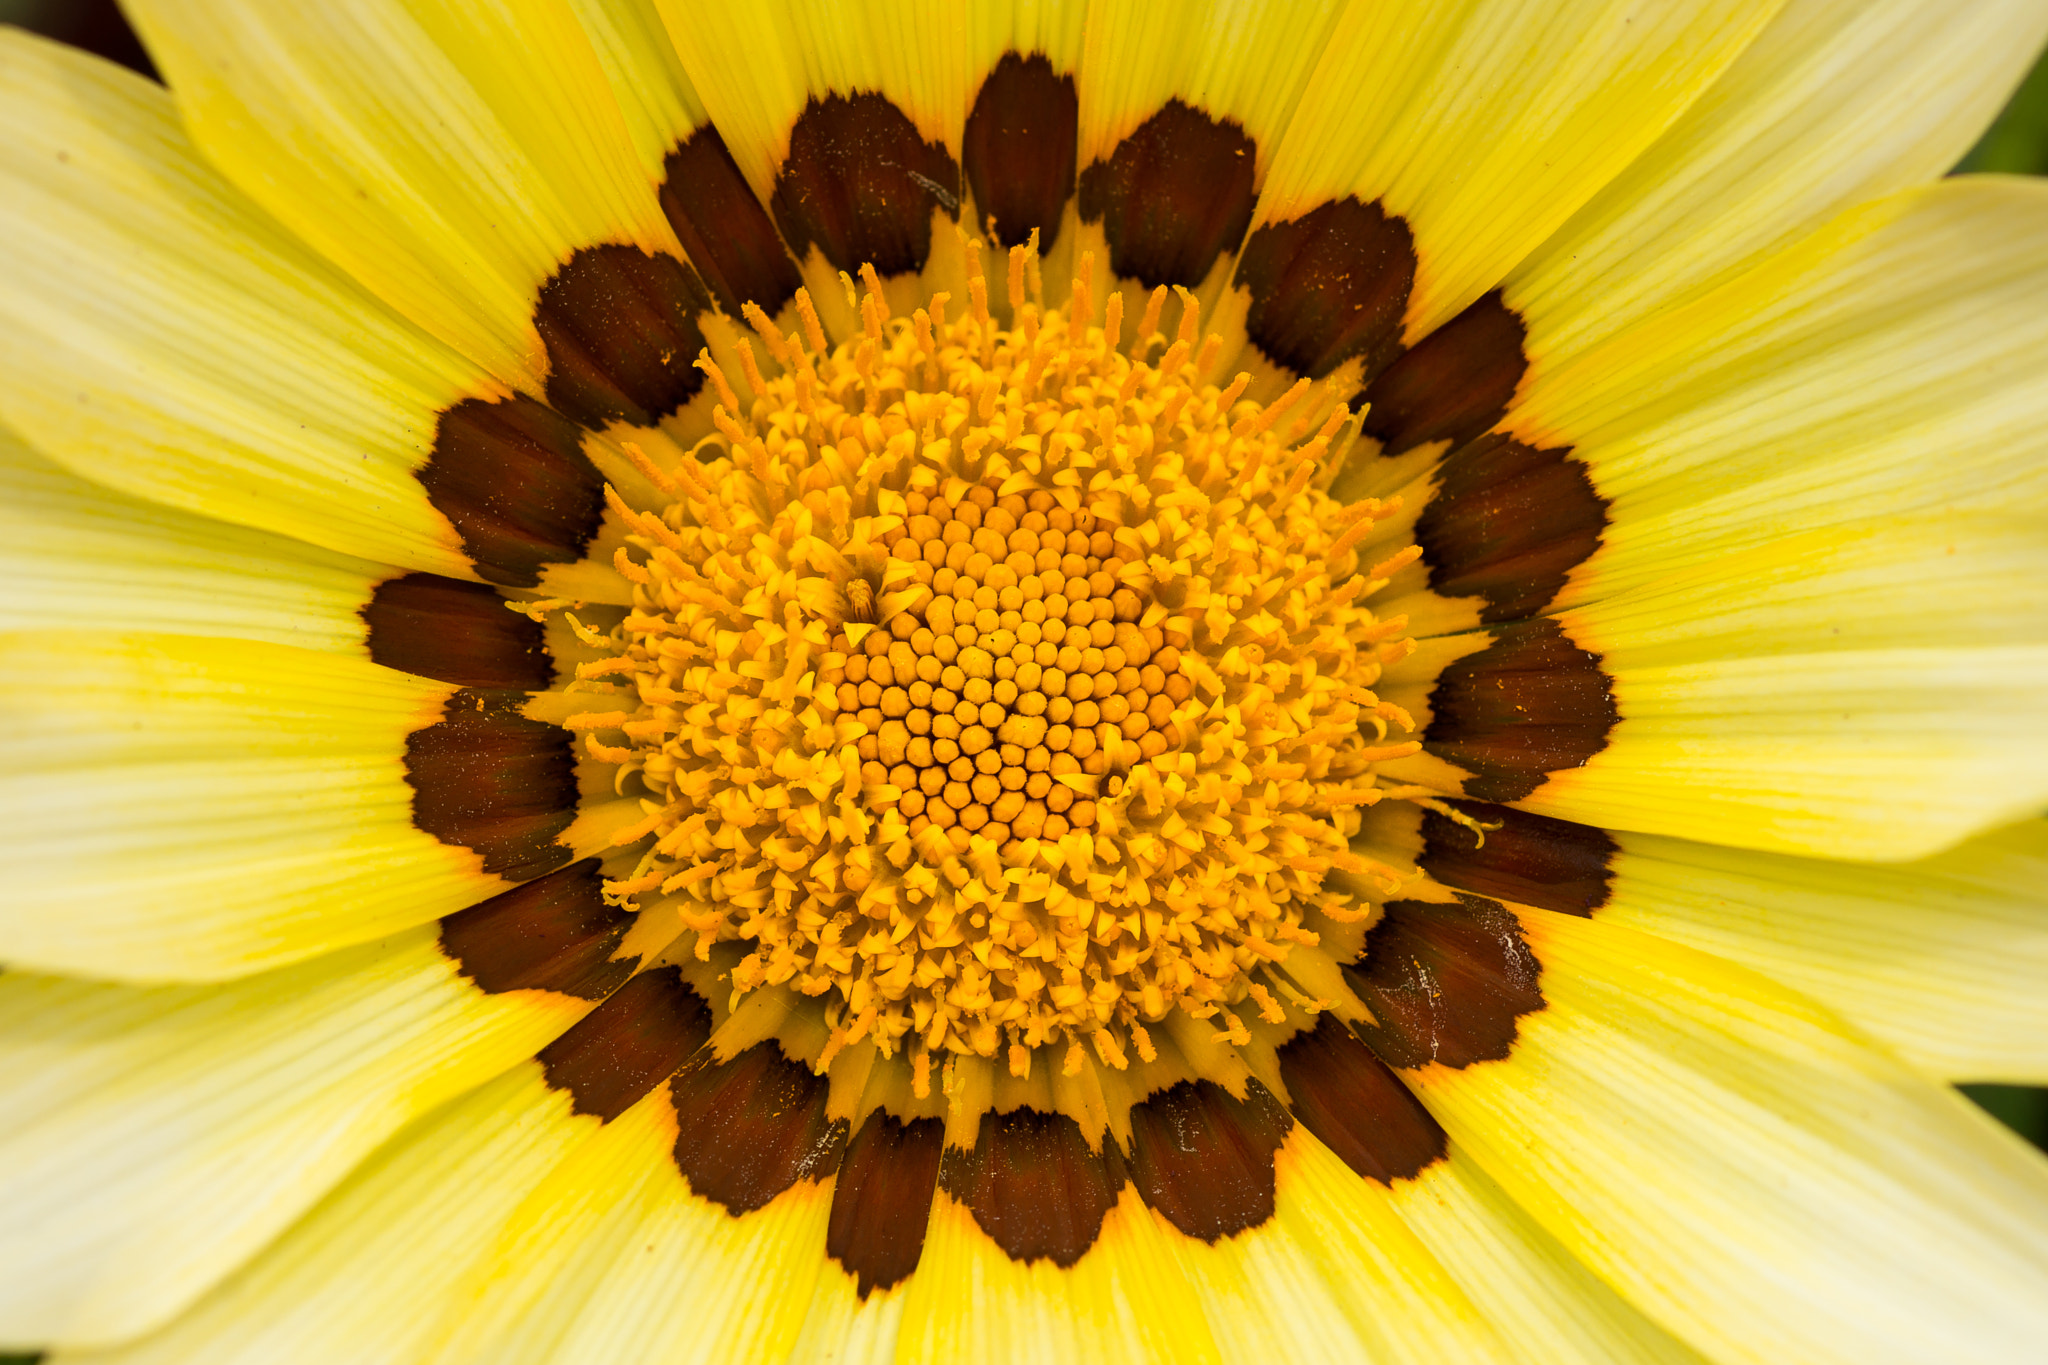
(1878, 368)
(179, 807)
(1940, 578)
(1747, 1168)
(1545, 1305)
(612, 1260)
(1872, 690)
(1837, 101)
(367, 1274)
(161, 334)
(157, 1137)
(450, 156)
(1875, 754)
(1941, 959)
(1125, 1299)
(76, 554)
(1486, 123)
(759, 67)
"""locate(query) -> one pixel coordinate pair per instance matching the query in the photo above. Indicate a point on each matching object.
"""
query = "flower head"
(1072, 681)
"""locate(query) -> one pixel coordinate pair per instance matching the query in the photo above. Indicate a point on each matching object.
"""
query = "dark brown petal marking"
(1033, 1185)
(724, 228)
(513, 480)
(554, 933)
(629, 1044)
(621, 330)
(859, 183)
(455, 632)
(1328, 286)
(1530, 703)
(750, 1128)
(1350, 1100)
(1174, 195)
(1530, 859)
(1205, 1160)
(1451, 385)
(1509, 523)
(1019, 148)
(1445, 983)
(883, 1200)
(487, 778)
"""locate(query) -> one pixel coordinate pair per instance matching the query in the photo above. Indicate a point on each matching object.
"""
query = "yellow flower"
(958, 681)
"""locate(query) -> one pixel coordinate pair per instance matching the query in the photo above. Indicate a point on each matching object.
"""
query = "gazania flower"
(963, 681)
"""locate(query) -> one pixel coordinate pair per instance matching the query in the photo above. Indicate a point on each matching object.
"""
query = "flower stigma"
(1005, 688)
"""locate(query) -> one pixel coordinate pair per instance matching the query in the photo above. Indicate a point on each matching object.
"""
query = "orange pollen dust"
(1003, 687)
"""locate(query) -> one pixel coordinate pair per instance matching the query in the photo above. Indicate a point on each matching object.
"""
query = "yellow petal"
(1748, 1169)
(1867, 371)
(1939, 578)
(1349, 1237)
(1125, 1299)
(1866, 691)
(1484, 124)
(75, 553)
(1547, 1307)
(655, 97)
(1837, 101)
(163, 1134)
(367, 1274)
(164, 336)
(1942, 959)
(1873, 754)
(181, 807)
(878, 181)
(614, 1260)
(1182, 111)
(451, 157)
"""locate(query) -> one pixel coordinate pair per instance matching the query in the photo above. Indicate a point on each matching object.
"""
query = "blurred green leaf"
(2018, 142)
(2022, 1108)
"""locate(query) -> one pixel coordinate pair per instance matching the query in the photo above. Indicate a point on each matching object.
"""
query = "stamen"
(999, 688)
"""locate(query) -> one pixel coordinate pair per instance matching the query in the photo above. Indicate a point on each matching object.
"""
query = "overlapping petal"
(166, 337)
(161, 1135)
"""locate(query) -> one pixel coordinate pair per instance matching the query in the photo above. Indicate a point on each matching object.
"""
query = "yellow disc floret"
(1000, 685)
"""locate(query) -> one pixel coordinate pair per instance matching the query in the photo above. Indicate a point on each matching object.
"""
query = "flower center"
(1006, 687)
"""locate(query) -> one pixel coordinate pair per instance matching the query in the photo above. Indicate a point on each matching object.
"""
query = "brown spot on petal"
(511, 477)
(1451, 385)
(1529, 859)
(1033, 1186)
(724, 228)
(1350, 1100)
(1205, 1160)
(1445, 983)
(1329, 285)
(455, 632)
(1019, 148)
(620, 325)
(490, 780)
(1174, 195)
(629, 1044)
(554, 933)
(1508, 523)
(1529, 704)
(883, 1200)
(860, 184)
(750, 1128)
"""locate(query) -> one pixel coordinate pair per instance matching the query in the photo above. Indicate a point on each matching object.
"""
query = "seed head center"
(1004, 687)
